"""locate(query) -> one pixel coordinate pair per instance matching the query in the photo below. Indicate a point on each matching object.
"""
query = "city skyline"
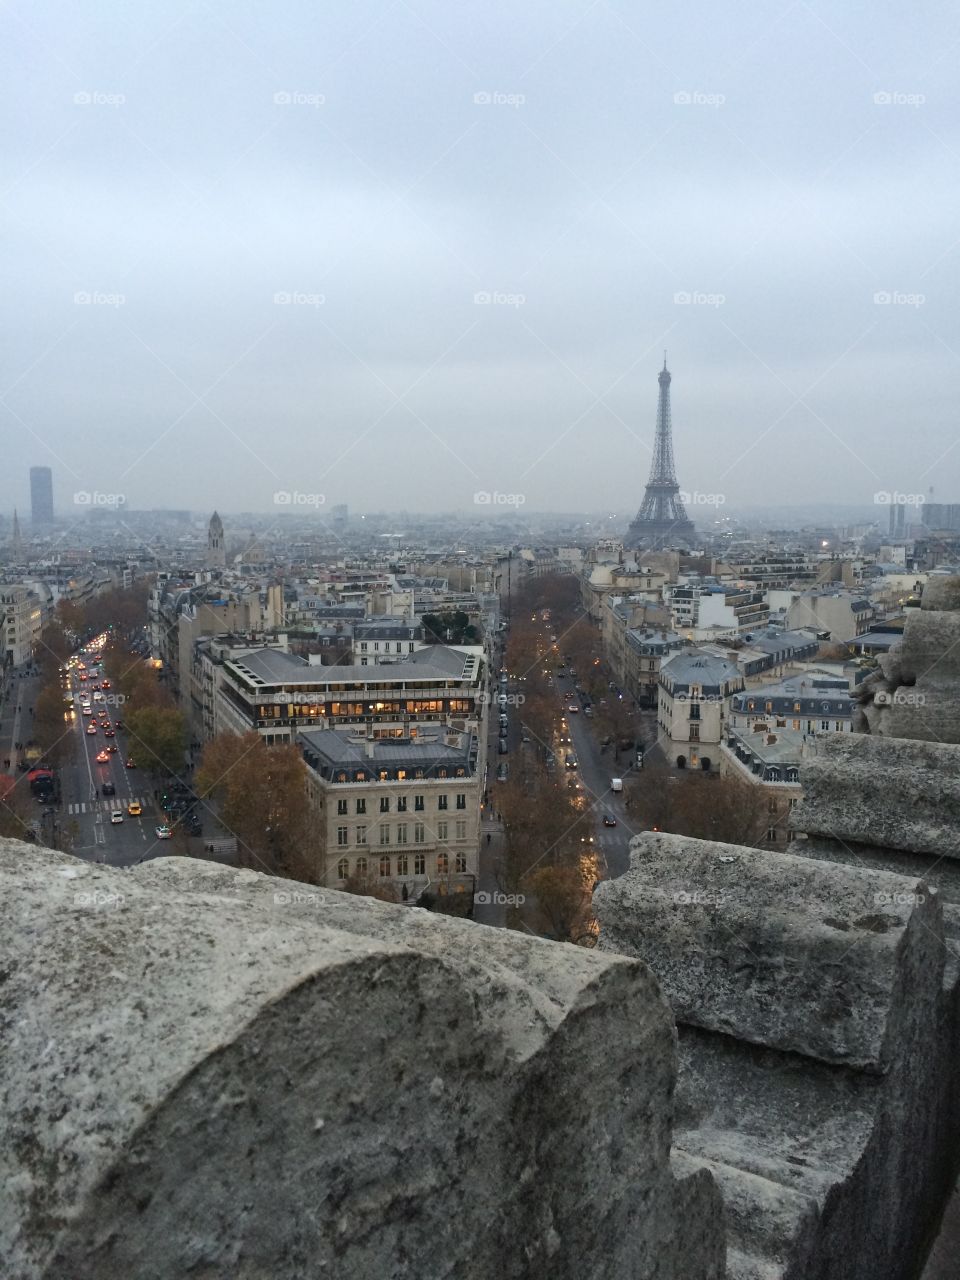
(390, 252)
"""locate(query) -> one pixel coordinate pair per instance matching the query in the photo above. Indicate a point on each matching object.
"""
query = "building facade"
(404, 811)
(694, 693)
(41, 497)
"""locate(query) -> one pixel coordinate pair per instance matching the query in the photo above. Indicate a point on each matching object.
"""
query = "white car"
(116, 818)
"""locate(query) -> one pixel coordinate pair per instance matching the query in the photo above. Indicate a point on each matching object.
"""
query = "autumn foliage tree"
(704, 806)
(263, 800)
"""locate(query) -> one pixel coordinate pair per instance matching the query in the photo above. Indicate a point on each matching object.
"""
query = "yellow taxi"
(134, 809)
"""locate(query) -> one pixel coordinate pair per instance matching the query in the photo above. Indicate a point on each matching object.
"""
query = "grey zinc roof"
(273, 666)
(699, 668)
(338, 748)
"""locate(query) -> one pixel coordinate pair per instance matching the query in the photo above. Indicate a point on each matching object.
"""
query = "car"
(116, 818)
(96, 689)
(118, 724)
(129, 764)
(109, 789)
(502, 747)
(112, 748)
(103, 757)
(588, 710)
(108, 732)
(573, 710)
(134, 808)
(87, 711)
(91, 727)
(609, 820)
(502, 772)
(106, 684)
(164, 832)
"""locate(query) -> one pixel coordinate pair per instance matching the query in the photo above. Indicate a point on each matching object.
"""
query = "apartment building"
(401, 810)
(806, 705)
(838, 616)
(694, 693)
(770, 761)
(20, 623)
(712, 611)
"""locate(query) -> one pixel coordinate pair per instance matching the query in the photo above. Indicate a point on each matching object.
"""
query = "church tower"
(216, 552)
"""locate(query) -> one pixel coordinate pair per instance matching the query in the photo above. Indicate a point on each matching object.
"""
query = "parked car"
(502, 772)
(502, 747)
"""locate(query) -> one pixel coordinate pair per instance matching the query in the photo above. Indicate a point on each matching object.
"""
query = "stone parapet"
(214, 1073)
(898, 793)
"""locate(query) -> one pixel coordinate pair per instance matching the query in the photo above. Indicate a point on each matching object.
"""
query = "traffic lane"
(122, 843)
(597, 770)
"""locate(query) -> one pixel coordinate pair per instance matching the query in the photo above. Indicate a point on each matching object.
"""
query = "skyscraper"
(662, 519)
(41, 496)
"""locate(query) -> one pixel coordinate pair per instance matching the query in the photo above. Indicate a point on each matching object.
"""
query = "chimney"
(771, 739)
(370, 743)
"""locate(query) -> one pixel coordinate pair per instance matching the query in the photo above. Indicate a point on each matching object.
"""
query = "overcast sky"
(245, 243)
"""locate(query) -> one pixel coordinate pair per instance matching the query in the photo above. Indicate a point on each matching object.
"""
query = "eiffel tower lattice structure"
(662, 520)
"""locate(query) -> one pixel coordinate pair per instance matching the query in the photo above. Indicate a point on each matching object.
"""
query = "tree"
(158, 738)
(262, 793)
(449, 628)
(562, 902)
(704, 806)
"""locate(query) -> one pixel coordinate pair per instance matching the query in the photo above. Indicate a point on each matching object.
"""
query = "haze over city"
(396, 254)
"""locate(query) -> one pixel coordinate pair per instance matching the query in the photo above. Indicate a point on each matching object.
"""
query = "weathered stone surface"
(930, 646)
(928, 710)
(941, 592)
(808, 1129)
(781, 951)
(230, 1076)
(898, 793)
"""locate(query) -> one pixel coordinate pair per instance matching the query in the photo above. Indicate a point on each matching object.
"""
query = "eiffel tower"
(662, 519)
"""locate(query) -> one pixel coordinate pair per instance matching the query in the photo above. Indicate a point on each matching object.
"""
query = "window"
(361, 835)
(385, 864)
(361, 866)
(401, 803)
(401, 833)
(694, 733)
(402, 865)
(461, 862)
(461, 829)
(361, 806)
(838, 725)
(384, 832)
(418, 804)
(384, 804)
(342, 837)
(443, 864)
(461, 800)
(772, 834)
(343, 869)
(824, 724)
(695, 711)
(401, 773)
(363, 646)
(441, 802)
(772, 805)
(419, 864)
(441, 831)
(418, 833)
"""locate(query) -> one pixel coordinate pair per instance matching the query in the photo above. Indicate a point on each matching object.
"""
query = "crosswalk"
(109, 805)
